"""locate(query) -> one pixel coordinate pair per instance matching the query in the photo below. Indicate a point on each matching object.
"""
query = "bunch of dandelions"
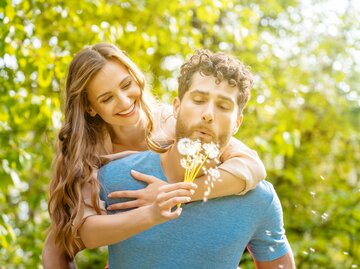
(195, 156)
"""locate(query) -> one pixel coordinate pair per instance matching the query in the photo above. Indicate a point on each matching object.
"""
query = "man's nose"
(208, 113)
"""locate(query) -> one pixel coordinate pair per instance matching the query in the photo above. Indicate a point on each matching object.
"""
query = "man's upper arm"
(285, 262)
(269, 241)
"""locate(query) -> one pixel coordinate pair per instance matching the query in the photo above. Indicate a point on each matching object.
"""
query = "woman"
(106, 112)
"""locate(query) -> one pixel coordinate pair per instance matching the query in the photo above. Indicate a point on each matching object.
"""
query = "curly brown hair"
(222, 67)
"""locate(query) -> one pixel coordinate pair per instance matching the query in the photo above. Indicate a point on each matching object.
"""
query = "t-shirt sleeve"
(243, 163)
(269, 241)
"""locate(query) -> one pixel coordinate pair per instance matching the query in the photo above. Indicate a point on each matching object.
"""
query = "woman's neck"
(129, 137)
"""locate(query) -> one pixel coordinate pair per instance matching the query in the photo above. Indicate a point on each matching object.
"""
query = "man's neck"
(170, 162)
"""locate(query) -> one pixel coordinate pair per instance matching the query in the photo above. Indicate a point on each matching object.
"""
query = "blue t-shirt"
(206, 235)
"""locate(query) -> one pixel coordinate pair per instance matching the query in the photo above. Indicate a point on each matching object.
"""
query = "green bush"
(303, 118)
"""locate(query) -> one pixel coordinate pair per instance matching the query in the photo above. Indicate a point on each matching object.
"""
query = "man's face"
(208, 111)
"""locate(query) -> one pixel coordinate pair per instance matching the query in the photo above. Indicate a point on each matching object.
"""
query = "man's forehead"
(206, 85)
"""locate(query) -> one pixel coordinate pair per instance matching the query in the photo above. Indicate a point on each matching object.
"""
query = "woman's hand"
(169, 196)
(142, 197)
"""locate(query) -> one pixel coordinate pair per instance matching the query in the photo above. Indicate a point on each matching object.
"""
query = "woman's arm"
(53, 257)
(243, 163)
(104, 230)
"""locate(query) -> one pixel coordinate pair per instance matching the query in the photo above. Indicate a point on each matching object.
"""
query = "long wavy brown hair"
(80, 143)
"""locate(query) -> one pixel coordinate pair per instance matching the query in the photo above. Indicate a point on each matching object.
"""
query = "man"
(213, 91)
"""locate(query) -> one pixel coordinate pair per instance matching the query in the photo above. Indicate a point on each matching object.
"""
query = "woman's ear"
(91, 111)
(176, 107)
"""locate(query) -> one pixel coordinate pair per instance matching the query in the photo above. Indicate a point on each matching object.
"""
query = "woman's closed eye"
(106, 99)
(127, 85)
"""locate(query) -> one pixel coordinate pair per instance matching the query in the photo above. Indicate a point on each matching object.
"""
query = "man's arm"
(53, 257)
(285, 262)
(269, 246)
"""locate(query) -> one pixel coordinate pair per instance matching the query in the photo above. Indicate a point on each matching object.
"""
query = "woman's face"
(114, 95)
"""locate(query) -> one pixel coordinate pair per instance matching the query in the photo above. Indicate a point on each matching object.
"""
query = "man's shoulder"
(265, 187)
(264, 193)
(132, 159)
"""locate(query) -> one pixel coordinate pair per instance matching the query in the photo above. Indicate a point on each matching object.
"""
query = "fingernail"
(108, 208)
(133, 171)
(109, 195)
(188, 199)
(192, 192)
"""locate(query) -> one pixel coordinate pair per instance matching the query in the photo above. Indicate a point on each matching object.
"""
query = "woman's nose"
(123, 99)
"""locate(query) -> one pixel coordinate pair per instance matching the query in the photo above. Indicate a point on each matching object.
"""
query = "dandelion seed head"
(305, 253)
(184, 163)
(312, 250)
(188, 147)
(354, 266)
(346, 253)
(183, 145)
(313, 193)
(211, 150)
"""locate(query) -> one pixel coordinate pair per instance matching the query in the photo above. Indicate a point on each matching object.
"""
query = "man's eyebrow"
(196, 91)
(222, 97)
(225, 98)
(121, 82)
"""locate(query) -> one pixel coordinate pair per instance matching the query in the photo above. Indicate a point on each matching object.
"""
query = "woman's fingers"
(171, 194)
(143, 177)
(125, 205)
(163, 196)
(125, 194)
(175, 186)
(171, 215)
(170, 203)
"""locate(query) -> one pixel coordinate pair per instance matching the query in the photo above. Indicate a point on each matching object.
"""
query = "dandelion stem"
(199, 167)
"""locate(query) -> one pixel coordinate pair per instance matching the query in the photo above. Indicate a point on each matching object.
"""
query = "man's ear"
(91, 111)
(176, 107)
(238, 123)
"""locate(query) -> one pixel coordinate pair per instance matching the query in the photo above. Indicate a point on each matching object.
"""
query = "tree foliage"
(303, 118)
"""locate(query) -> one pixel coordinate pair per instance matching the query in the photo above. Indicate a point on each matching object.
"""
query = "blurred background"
(303, 118)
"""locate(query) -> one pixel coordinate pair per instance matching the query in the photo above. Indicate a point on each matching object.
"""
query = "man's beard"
(182, 131)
